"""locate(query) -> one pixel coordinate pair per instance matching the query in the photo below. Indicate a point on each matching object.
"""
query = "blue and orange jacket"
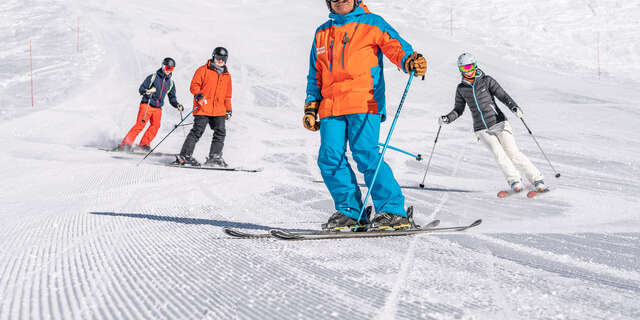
(345, 67)
(164, 86)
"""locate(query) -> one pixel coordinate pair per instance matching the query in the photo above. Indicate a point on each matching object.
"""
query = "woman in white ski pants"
(499, 139)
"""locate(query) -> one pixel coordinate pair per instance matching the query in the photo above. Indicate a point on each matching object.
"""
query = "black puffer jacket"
(480, 96)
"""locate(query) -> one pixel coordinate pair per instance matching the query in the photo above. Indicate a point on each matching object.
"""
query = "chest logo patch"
(321, 50)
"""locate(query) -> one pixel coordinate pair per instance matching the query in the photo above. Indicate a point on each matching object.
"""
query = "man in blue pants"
(345, 90)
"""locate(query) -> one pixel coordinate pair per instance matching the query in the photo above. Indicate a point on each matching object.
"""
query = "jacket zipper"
(331, 56)
(158, 103)
(345, 40)
(473, 88)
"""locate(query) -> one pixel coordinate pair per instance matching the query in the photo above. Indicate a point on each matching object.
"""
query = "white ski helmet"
(465, 59)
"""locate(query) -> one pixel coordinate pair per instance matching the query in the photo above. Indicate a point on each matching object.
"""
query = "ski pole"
(386, 144)
(418, 156)
(172, 130)
(184, 133)
(539, 147)
(429, 162)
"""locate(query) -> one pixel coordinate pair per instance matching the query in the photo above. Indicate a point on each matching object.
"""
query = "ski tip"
(502, 194)
(432, 224)
(231, 232)
(281, 234)
(475, 223)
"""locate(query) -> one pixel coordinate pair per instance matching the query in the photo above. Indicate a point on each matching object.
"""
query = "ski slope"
(88, 234)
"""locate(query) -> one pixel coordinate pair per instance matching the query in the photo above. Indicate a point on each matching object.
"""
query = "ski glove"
(150, 91)
(228, 115)
(310, 119)
(443, 120)
(416, 62)
(179, 107)
(198, 97)
(517, 111)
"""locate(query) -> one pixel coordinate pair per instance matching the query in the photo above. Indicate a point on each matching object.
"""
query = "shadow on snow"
(196, 221)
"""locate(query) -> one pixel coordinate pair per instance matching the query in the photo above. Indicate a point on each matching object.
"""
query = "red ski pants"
(146, 114)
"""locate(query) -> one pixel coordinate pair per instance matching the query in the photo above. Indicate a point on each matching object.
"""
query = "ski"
(137, 153)
(506, 193)
(321, 235)
(246, 235)
(534, 193)
(217, 168)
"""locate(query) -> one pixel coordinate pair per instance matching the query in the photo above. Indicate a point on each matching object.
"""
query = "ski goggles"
(220, 58)
(467, 67)
(169, 68)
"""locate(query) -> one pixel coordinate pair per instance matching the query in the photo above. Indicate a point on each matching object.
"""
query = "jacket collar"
(479, 74)
(161, 74)
(210, 67)
(349, 17)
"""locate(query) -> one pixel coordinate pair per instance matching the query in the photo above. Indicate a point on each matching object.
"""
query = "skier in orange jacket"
(211, 89)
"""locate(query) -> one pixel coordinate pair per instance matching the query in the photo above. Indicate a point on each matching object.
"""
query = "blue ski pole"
(386, 144)
(418, 156)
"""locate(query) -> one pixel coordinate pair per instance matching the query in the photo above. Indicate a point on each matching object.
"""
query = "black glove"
(443, 120)
(228, 116)
(198, 96)
(179, 107)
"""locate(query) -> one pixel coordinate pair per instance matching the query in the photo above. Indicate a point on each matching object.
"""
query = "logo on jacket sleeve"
(321, 50)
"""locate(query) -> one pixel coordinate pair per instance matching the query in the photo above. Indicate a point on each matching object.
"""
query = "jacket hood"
(343, 18)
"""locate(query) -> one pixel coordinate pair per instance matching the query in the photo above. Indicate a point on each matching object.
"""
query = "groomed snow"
(87, 234)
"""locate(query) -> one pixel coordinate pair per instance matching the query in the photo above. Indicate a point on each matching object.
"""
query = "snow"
(90, 234)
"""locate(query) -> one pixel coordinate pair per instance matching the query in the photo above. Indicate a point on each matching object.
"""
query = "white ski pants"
(499, 139)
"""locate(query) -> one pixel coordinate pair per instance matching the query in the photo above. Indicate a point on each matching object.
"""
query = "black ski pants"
(217, 124)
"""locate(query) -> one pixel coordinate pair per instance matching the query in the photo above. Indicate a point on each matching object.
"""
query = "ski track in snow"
(92, 235)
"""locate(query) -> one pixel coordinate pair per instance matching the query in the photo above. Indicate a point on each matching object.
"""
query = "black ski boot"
(185, 161)
(140, 148)
(215, 160)
(123, 147)
(340, 222)
(389, 221)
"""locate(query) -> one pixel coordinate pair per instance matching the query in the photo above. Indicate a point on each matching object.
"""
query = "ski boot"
(215, 160)
(123, 147)
(388, 221)
(539, 186)
(340, 222)
(516, 186)
(140, 148)
(185, 161)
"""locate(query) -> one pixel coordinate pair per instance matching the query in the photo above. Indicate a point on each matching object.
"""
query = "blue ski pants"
(362, 131)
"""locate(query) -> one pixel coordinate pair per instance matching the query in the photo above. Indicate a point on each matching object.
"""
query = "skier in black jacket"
(478, 91)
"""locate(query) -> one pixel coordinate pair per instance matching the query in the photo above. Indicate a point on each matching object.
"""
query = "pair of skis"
(530, 194)
(205, 167)
(280, 234)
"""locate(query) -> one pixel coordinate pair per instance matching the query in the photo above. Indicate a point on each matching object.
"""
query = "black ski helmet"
(220, 53)
(169, 62)
(355, 4)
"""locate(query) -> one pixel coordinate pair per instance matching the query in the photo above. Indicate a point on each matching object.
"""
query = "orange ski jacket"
(216, 89)
(345, 66)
